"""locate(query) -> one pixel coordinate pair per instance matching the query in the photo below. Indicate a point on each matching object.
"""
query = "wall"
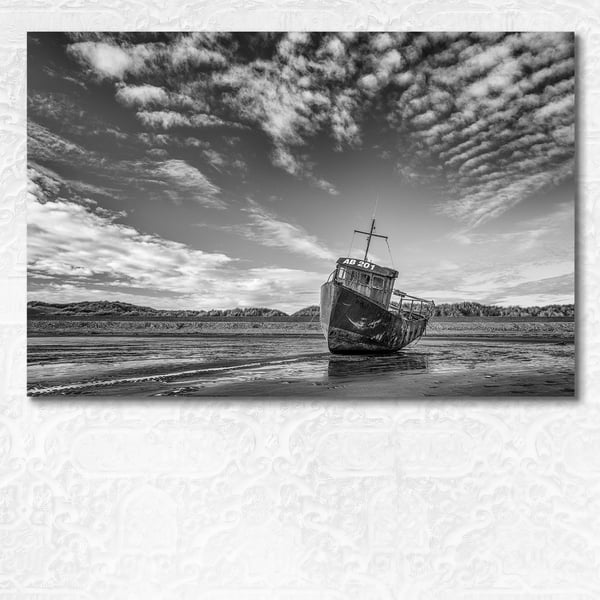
(302, 499)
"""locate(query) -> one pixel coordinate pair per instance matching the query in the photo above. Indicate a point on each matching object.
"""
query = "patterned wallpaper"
(297, 499)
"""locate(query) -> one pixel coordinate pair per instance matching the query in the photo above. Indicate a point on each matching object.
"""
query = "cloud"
(368, 82)
(483, 121)
(117, 56)
(76, 252)
(142, 95)
(531, 257)
(559, 107)
(190, 180)
(283, 158)
(174, 179)
(265, 229)
(344, 127)
(491, 121)
(227, 287)
(324, 185)
(457, 102)
(110, 60)
(167, 119)
(488, 199)
(274, 104)
(534, 282)
(43, 144)
(46, 184)
(291, 99)
(549, 236)
(72, 243)
(192, 50)
(163, 119)
(271, 286)
(549, 290)
(382, 41)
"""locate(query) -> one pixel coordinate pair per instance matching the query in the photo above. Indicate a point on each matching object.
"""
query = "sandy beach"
(493, 360)
(466, 327)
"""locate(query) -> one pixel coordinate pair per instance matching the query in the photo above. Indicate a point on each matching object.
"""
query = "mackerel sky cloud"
(212, 170)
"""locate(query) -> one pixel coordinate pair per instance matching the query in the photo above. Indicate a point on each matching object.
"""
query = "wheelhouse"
(366, 278)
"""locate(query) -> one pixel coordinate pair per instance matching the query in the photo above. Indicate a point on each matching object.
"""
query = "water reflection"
(357, 365)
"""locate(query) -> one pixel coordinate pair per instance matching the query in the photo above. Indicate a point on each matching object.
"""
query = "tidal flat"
(457, 358)
(461, 327)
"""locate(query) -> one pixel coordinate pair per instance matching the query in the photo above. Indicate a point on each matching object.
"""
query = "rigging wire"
(351, 244)
(390, 253)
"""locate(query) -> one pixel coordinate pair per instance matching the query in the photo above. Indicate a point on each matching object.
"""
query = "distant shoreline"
(555, 328)
(120, 311)
(289, 319)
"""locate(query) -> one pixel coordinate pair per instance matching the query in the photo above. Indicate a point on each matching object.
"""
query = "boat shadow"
(357, 365)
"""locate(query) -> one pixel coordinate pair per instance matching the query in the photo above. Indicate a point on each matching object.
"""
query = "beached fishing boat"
(362, 312)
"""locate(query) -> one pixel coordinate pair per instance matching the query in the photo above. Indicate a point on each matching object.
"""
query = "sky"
(217, 170)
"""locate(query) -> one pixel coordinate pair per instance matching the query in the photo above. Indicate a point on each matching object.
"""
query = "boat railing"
(412, 306)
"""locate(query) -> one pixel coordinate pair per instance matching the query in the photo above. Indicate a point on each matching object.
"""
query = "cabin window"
(341, 273)
(365, 279)
(378, 282)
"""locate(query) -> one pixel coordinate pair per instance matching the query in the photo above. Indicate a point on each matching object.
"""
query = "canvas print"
(310, 214)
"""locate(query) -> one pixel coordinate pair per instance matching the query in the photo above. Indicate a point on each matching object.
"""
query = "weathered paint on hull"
(354, 324)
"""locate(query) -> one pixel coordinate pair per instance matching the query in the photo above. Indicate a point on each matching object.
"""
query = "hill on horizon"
(103, 308)
(309, 311)
(106, 308)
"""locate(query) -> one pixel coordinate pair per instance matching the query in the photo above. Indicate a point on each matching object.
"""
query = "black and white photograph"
(312, 214)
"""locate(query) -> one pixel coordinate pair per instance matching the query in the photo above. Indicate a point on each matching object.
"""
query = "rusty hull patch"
(353, 323)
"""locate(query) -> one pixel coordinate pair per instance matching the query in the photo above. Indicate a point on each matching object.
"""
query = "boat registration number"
(359, 263)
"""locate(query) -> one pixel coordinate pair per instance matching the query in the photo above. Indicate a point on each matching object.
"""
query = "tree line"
(36, 309)
(474, 309)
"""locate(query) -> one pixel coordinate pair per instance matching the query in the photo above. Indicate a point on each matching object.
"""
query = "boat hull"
(353, 324)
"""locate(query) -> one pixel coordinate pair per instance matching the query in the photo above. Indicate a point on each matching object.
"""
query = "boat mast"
(370, 235)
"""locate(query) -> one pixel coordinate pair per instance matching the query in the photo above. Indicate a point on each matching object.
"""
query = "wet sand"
(299, 366)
